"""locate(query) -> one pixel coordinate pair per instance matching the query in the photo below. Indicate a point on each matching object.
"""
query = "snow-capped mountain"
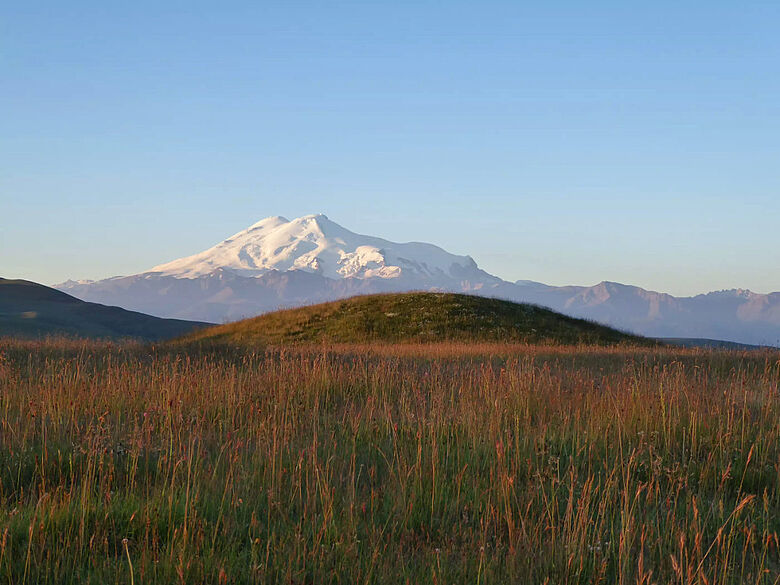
(278, 263)
(315, 244)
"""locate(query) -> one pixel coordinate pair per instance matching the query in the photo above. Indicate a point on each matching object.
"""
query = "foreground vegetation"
(444, 463)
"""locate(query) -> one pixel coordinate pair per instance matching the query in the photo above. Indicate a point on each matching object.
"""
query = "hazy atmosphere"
(562, 142)
(390, 293)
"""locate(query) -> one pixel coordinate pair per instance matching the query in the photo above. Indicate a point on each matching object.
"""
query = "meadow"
(378, 463)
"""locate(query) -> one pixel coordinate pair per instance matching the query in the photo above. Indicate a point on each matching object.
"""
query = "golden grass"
(446, 463)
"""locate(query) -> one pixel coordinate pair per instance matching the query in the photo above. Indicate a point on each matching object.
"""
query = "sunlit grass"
(421, 316)
(477, 463)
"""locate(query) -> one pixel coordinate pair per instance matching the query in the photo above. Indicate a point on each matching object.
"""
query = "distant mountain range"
(32, 310)
(278, 263)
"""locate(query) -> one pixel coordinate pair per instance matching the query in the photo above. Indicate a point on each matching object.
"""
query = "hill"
(28, 309)
(417, 316)
(292, 263)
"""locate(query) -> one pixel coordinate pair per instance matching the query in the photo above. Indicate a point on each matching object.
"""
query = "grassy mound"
(414, 317)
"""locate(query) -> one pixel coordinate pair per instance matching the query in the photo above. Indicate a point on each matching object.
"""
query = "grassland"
(417, 316)
(376, 463)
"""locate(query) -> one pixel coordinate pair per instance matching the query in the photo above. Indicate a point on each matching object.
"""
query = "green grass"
(415, 317)
(444, 463)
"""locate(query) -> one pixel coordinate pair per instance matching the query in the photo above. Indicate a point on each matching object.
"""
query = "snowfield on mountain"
(314, 243)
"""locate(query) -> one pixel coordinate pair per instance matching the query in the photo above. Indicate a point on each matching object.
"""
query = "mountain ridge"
(280, 263)
(314, 243)
(29, 309)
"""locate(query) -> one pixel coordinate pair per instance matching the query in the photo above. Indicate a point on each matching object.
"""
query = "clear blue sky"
(566, 142)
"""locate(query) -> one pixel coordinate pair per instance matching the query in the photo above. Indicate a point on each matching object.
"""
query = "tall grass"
(388, 464)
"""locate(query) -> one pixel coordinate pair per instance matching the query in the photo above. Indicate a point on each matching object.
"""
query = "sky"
(563, 142)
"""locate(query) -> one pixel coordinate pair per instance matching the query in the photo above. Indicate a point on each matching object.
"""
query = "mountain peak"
(269, 223)
(314, 243)
(743, 293)
(273, 221)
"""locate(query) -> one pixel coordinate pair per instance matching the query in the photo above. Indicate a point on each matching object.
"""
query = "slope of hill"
(28, 309)
(416, 316)
(277, 263)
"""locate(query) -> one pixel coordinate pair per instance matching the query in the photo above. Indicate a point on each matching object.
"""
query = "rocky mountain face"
(277, 263)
